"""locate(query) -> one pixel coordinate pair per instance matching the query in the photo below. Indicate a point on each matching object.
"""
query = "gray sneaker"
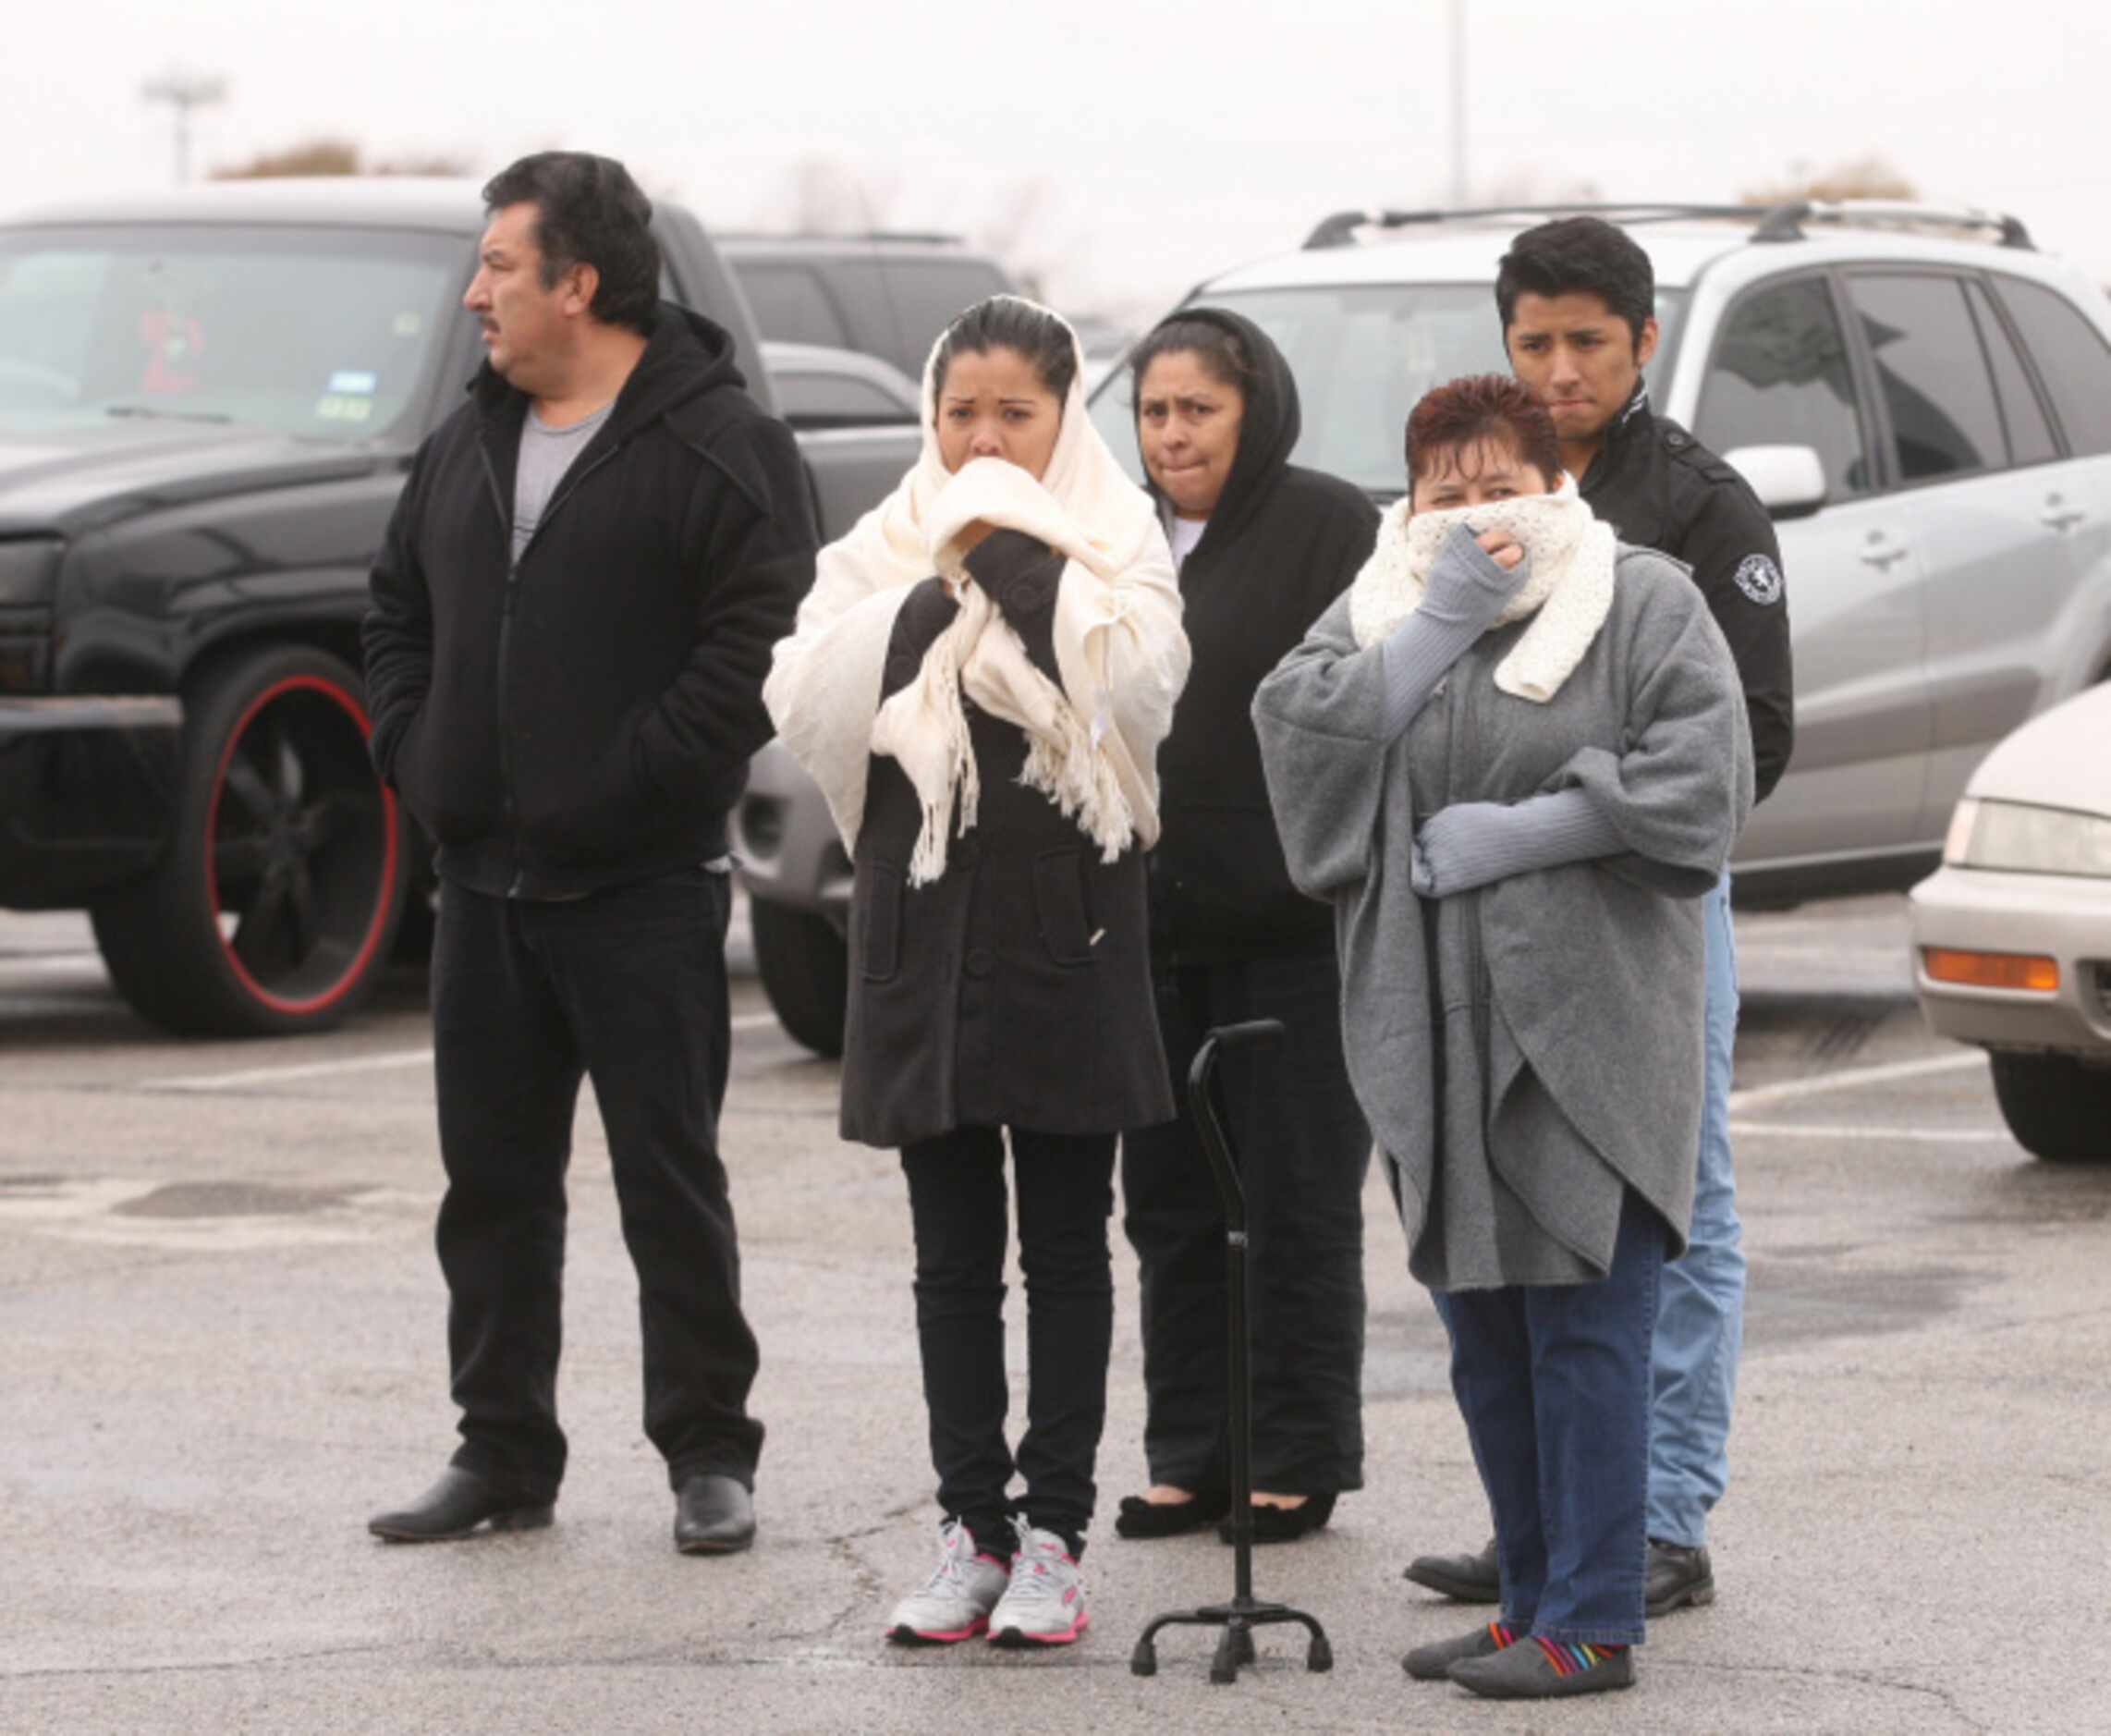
(1678, 1577)
(1433, 1662)
(956, 1601)
(1044, 1604)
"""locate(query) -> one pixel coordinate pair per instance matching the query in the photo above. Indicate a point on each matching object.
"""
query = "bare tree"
(1868, 177)
(334, 156)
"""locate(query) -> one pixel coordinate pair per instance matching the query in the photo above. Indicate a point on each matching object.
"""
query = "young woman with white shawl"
(979, 682)
(1514, 758)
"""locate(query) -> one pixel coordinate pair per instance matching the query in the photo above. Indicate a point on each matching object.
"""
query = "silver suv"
(1922, 399)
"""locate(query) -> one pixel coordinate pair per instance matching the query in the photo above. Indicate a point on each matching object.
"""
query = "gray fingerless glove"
(1475, 843)
(1467, 589)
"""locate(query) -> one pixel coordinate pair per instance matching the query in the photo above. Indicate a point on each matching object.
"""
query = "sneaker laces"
(1031, 1583)
(954, 1561)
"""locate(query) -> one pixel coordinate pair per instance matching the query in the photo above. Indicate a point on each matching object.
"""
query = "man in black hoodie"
(571, 618)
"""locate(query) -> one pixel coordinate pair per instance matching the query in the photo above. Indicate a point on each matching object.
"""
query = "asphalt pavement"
(223, 1347)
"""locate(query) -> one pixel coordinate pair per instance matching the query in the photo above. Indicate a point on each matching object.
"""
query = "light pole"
(1459, 105)
(185, 92)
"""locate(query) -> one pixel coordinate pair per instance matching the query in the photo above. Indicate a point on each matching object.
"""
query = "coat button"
(981, 961)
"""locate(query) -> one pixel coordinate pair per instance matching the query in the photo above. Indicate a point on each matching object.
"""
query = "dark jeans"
(1303, 1151)
(1554, 1382)
(956, 1199)
(627, 987)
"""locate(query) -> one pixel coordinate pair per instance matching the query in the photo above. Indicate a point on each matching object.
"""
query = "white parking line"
(1921, 1135)
(352, 1064)
(1789, 1090)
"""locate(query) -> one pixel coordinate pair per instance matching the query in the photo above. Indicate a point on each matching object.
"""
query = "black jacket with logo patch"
(1660, 488)
(585, 717)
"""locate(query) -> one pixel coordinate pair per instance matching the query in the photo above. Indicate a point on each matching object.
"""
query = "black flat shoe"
(1286, 1524)
(1143, 1521)
(455, 1506)
(714, 1515)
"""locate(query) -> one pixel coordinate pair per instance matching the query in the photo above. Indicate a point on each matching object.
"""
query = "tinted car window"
(836, 400)
(1780, 377)
(2072, 358)
(1362, 356)
(791, 305)
(1931, 373)
(927, 294)
(328, 334)
(2030, 435)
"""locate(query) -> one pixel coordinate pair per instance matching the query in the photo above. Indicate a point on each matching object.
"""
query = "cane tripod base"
(1237, 1618)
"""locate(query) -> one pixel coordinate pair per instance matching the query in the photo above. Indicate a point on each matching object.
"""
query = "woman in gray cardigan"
(1512, 757)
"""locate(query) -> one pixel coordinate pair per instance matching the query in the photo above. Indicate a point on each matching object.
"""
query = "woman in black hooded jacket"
(1264, 547)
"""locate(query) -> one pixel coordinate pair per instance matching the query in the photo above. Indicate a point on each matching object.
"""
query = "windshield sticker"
(355, 384)
(343, 406)
(408, 325)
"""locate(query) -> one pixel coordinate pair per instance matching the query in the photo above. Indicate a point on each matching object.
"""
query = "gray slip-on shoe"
(1433, 1662)
(1524, 1671)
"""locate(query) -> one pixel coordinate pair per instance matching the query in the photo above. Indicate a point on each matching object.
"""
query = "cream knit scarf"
(1093, 740)
(1568, 592)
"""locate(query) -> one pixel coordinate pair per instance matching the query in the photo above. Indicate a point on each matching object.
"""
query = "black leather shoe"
(714, 1515)
(1465, 1579)
(1286, 1524)
(455, 1506)
(1143, 1521)
(1678, 1577)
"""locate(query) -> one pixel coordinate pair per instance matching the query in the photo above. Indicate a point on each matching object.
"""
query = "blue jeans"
(1700, 1322)
(1554, 1383)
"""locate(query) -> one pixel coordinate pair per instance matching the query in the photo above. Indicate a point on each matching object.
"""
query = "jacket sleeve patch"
(1759, 579)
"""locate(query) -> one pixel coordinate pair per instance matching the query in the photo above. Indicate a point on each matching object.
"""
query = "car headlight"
(29, 569)
(2021, 838)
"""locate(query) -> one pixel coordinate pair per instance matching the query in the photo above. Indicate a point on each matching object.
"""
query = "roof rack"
(1784, 221)
(931, 237)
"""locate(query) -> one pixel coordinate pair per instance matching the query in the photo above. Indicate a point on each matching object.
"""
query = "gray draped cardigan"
(1525, 1052)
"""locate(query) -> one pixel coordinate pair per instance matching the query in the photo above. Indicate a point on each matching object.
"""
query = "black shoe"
(1678, 1576)
(1465, 1579)
(1142, 1520)
(455, 1506)
(1286, 1524)
(714, 1515)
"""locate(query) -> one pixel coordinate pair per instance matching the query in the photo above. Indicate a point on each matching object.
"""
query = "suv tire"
(273, 905)
(2057, 1108)
(805, 967)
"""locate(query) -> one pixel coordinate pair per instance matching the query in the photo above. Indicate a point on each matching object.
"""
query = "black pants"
(628, 988)
(956, 1199)
(1303, 1151)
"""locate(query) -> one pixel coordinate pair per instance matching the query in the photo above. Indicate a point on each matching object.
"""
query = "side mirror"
(1790, 481)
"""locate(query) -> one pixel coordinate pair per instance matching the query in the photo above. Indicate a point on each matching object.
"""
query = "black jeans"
(1303, 1152)
(956, 1199)
(627, 987)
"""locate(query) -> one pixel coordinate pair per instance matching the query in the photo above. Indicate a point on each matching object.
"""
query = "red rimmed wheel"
(273, 910)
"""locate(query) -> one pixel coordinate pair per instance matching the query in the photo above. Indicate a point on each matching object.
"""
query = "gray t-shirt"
(546, 453)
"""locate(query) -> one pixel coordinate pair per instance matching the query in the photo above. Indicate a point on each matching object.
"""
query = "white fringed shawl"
(1570, 589)
(1092, 743)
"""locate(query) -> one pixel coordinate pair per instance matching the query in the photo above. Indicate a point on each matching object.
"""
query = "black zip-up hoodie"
(585, 717)
(1281, 545)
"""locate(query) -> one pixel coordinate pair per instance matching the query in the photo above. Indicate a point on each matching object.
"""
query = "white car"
(2012, 936)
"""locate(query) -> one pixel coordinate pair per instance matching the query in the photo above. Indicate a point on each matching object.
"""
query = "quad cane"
(1243, 1613)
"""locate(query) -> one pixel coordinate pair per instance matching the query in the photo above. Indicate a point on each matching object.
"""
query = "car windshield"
(310, 331)
(1363, 355)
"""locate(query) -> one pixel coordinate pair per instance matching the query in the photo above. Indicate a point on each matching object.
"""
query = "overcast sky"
(1170, 140)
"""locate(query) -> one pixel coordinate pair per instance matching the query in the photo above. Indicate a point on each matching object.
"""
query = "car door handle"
(1882, 557)
(2064, 520)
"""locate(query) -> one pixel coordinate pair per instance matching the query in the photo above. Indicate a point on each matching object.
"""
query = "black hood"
(1269, 431)
(686, 355)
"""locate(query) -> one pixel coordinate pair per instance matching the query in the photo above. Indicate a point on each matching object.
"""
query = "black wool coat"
(1282, 544)
(1015, 989)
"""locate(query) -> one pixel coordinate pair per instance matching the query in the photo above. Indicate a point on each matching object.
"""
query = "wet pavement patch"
(234, 1199)
(1808, 1295)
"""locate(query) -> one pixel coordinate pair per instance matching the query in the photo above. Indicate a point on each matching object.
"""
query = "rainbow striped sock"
(1503, 1634)
(1570, 1658)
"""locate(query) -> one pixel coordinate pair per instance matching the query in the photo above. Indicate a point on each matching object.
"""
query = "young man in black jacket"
(1577, 297)
(571, 619)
